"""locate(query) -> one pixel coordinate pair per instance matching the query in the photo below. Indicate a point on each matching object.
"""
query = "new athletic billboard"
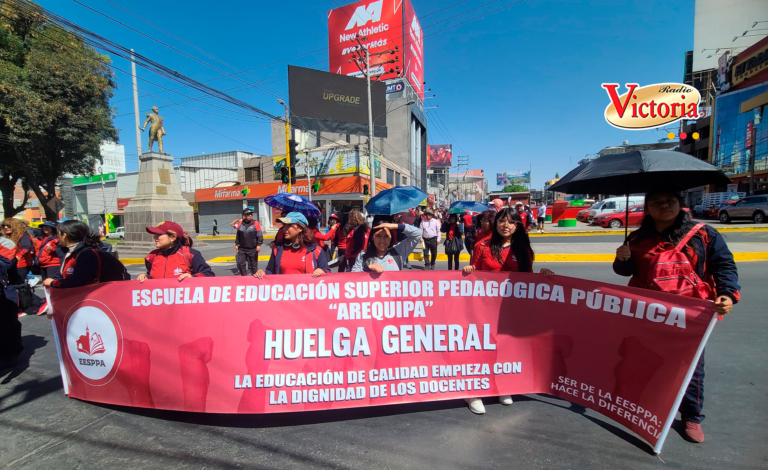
(326, 102)
(439, 156)
(385, 24)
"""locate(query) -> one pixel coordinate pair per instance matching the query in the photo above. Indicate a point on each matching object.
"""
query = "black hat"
(247, 212)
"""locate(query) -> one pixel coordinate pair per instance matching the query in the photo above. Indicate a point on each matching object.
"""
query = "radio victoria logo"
(651, 105)
(94, 342)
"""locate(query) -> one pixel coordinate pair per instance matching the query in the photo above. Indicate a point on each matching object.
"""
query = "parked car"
(616, 219)
(581, 216)
(714, 212)
(119, 233)
(753, 207)
(612, 204)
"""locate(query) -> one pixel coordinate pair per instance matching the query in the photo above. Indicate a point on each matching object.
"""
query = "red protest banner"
(293, 343)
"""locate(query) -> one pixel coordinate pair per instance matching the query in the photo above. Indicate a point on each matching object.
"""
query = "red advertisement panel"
(380, 21)
(292, 343)
(413, 65)
(749, 135)
(439, 156)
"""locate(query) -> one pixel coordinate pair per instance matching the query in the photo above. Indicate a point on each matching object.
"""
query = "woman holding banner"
(708, 272)
(299, 253)
(507, 250)
(174, 256)
(484, 224)
(83, 263)
(382, 254)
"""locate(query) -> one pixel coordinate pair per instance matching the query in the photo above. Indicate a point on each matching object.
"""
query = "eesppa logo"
(94, 342)
(650, 106)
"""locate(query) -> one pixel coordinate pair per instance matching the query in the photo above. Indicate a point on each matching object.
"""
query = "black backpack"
(110, 268)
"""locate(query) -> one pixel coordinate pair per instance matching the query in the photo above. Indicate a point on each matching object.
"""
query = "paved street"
(40, 428)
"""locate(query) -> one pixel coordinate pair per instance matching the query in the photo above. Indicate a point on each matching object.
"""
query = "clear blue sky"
(515, 88)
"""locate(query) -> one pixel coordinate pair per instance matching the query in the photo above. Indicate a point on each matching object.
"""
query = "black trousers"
(215, 231)
(453, 258)
(249, 257)
(342, 260)
(693, 401)
(430, 251)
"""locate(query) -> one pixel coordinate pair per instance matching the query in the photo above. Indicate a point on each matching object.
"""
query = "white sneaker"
(475, 405)
(505, 400)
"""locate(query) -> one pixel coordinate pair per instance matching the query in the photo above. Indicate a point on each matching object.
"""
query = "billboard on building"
(386, 24)
(413, 50)
(330, 162)
(327, 102)
(517, 177)
(439, 156)
(112, 158)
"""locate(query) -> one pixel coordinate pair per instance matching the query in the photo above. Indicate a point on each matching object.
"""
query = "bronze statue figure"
(156, 130)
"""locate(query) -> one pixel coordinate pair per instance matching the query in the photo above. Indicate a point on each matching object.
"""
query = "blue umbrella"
(394, 200)
(469, 206)
(292, 202)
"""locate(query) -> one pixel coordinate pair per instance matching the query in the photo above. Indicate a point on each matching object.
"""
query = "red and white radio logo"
(94, 342)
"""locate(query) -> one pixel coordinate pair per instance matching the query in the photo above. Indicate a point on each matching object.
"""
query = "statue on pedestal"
(156, 130)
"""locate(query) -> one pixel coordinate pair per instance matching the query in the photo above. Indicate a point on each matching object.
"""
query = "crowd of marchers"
(668, 253)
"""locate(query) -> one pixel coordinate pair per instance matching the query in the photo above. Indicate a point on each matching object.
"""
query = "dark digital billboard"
(328, 102)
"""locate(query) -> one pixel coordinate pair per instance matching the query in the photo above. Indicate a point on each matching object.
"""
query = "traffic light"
(285, 172)
(365, 189)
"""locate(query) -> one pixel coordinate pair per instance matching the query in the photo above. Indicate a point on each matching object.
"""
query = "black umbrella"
(639, 171)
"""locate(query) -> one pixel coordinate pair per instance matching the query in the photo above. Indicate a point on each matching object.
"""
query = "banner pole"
(64, 378)
(681, 393)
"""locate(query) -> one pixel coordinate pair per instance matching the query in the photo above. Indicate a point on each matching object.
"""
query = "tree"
(514, 188)
(54, 104)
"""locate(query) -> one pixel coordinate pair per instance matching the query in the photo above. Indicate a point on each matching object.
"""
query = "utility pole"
(136, 106)
(104, 197)
(308, 169)
(366, 70)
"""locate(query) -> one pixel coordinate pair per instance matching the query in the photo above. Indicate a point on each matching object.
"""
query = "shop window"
(390, 176)
(253, 174)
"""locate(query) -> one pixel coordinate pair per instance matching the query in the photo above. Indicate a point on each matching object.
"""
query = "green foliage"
(54, 102)
(514, 188)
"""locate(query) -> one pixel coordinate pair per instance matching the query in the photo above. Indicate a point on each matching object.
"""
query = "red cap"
(167, 227)
(334, 216)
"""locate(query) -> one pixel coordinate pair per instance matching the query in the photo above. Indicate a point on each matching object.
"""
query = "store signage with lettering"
(78, 180)
(750, 65)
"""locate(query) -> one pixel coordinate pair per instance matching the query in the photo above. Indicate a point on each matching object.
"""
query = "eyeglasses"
(664, 202)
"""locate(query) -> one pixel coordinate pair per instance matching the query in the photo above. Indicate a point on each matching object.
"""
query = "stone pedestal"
(158, 198)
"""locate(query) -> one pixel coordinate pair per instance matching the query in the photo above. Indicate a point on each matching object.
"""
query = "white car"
(119, 233)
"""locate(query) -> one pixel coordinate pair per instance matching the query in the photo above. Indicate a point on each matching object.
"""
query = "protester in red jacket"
(507, 250)
(48, 254)
(80, 265)
(352, 245)
(664, 226)
(174, 256)
(485, 225)
(16, 231)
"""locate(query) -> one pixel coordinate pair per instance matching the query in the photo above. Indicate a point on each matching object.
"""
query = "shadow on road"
(31, 343)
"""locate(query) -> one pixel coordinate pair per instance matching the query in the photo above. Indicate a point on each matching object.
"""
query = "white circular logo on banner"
(93, 343)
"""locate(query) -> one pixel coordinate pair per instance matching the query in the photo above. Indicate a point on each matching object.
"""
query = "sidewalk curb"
(540, 258)
(574, 233)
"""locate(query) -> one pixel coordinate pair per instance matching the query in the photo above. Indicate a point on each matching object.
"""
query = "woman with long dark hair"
(711, 274)
(82, 264)
(383, 253)
(453, 231)
(356, 238)
(174, 256)
(507, 250)
(484, 224)
(48, 253)
(299, 252)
